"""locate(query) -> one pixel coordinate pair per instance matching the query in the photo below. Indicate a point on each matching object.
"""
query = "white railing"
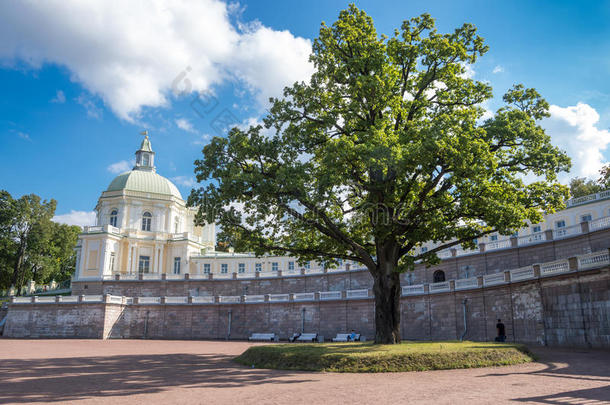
(245, 275)
(92, 229)
(444, 254)
(151, 276)
(46, 299)
(439, 287)
(229, 299)
(174, 277)
(593, 260)
(176, 300)
(128, 277)
(223, 276)
(267, 274)
(303, 296)
(69, 299)
(600, 223)
(279, 297)
(566, 232)
(466, 283)
(413, 289)
(149, 300)
(364, 293)
(558, 266)
(22, 300)
(314, 271)
(108, 277)
(522, 273)
(588, 198)
(203, 299)
(115, 299)
(531, 238)
(291, 273)
(494, 279)
(498, 244)
(330, 295)
(254, 298)
(92, 298)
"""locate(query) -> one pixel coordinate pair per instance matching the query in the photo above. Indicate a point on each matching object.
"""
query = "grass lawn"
(367, 357)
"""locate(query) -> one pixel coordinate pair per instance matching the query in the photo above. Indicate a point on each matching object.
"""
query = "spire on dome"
(145, 157)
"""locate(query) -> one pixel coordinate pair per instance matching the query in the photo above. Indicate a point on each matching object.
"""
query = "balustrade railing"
(279, 297)
(229, 299)
(363, 293)
(176, 300)
(413, 289)
(531, 238)
(593, 260)
(203, 299)
(439, 287)
(466, 283)
(498, 244)
(494, 279)
(566, 232)
(600, 223)
(330, 295)
(304, 296)
(149, 300)
(522, 273)
(557, 266)
(254, 298)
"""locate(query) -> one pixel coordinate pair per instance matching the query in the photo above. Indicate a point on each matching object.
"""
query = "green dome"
(144, 181)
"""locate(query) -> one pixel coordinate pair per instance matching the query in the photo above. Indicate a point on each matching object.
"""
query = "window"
(424, 249)
(146, 220)
(585, 218)
(144, 264)
(112, 262)
(206, 268)
(290, 266)
(176, 265)
(560, 224)
(113, 217)
(536, 229)
(224, 268)
(308, 265)
(275, 266)
(242, 267)
(439, 276)
(467, 272)
(493, 238)
(145, 159)
(409, 278)
(258, 267)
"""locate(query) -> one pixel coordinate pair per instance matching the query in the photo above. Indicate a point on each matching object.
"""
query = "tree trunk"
(387, 304)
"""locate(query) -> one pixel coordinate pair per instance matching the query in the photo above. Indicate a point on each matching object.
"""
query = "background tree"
(581, 186)
(31, 245)
(382, 151)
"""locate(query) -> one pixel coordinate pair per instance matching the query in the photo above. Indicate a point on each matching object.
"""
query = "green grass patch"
(367, 357)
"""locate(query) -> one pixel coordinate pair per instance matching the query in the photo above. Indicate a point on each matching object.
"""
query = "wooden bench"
(264, 336)
(307, 337)
(344, 337)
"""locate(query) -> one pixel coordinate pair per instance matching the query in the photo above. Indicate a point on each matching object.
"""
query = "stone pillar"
(548, 234)
(514, 241)
(482, 247)
(573, 261)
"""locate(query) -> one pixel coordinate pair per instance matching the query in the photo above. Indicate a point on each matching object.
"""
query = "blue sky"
(80, 82)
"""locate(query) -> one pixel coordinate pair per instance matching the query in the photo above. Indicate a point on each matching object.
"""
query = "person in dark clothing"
(501, 331)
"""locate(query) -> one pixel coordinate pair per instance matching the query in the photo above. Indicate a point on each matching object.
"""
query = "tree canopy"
(384, 149)
(581, 186)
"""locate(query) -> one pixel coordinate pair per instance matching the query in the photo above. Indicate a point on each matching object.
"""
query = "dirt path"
(195, 372)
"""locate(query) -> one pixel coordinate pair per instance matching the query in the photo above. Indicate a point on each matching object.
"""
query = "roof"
(144, 181)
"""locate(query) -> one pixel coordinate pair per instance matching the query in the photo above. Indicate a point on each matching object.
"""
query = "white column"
(102, 257)
(161, 269)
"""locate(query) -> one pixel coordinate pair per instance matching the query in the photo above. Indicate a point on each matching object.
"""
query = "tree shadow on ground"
(68, 379)
(581, 365)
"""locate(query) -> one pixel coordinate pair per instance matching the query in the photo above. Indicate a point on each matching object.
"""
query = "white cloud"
(498, 69)
(185, 181)
(80, 218)
(132, 54)
(120, 167)
(59, 98)
(574, 129)
(93, 111)
(24, 136)
(185, 125)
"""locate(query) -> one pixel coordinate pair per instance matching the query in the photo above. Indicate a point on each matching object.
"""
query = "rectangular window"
(424, 249)
(560, 224)
(275, 266)
(291, 266)
(144, 264)
(224, 268)
(176, 265)
(206, 268)
(242, 267)
(308, 265)
(585, 218)
(258, 267)
(493, 238)
(536, 228)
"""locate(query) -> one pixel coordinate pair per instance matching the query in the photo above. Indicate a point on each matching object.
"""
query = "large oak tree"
(384, 149)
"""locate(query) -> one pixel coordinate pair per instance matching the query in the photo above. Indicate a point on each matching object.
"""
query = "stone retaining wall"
(570, 309)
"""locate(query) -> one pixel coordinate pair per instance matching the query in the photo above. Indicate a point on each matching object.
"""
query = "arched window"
(146, 220)
(439, 276)
(113, 217)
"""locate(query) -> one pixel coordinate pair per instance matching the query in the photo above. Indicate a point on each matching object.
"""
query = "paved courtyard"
(193, 372)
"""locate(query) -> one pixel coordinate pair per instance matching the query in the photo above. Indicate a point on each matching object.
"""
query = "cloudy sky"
(80, 82)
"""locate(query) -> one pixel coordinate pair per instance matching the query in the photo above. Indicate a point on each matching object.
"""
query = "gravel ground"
(197, 372)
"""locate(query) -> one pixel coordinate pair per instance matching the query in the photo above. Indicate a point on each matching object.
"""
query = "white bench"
(344, 337)
(307, 337)
(264, 336)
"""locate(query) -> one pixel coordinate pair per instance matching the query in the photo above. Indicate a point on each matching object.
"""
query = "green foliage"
(31, 245)
(581, 186)
(366, 357)
(383, 150)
